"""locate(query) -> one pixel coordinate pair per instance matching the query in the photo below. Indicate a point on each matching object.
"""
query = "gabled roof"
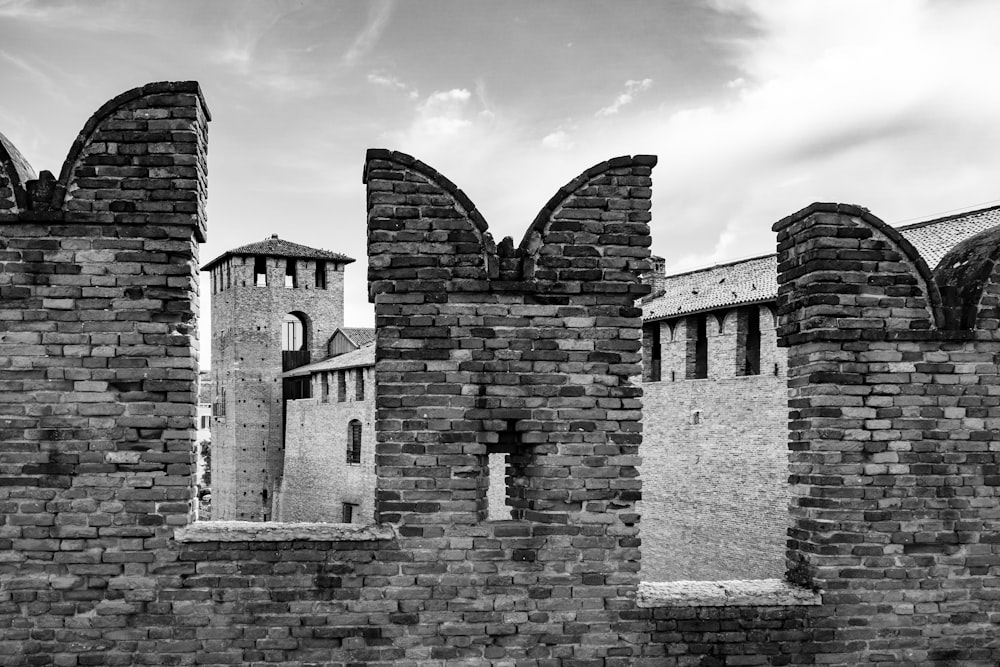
(364, 356)
(755, 280)
(359, 336)
(275, 247)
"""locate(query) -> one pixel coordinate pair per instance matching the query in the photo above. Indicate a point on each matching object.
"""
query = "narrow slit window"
(354, 442)
(701, 346)
(341, 386)
(751, 342)
(320, 274)
(359, 384)
(260, 271)
(325, 385)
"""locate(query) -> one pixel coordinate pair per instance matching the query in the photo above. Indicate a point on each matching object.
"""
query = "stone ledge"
(749, 593)
(252, 531)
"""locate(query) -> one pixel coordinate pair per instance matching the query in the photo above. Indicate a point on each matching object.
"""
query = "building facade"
(275, 305)
(715, 397)
(715, 451)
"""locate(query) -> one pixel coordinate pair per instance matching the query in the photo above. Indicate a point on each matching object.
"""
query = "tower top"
(275, 247)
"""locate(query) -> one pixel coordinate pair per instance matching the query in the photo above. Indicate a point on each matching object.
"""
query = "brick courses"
(892, 431)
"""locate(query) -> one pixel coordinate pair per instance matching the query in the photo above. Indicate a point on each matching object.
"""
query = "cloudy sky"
(756, 108)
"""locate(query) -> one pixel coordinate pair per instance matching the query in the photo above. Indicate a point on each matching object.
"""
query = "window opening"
(359, 384)
(701, 346)
(320, 274)
(354, 442)
(290, 277)
(292, 337)
(347, 512)
(260, 271)
(751, 342)
(341, 386)
(219, 409)
(325, 383)
(653, 331)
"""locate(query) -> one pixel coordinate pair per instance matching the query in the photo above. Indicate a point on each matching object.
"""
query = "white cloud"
(632, 88)
(443, 113)
(379, 13)
(391, 82)
(558, 140)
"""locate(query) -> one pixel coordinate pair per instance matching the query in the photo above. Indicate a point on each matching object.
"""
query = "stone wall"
(715, 459)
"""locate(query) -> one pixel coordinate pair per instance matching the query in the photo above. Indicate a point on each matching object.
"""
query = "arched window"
(354, 442)
(292, 333)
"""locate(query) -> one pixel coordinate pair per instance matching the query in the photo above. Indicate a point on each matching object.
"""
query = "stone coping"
(254, 531)
(737, 593)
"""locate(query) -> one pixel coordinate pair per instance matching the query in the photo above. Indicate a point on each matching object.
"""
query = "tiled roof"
(275, 247)
(364, 356)
(24, 171)
(755, 280)
(359, 337)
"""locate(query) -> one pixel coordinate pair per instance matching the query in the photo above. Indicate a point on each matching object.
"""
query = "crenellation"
(485, 357)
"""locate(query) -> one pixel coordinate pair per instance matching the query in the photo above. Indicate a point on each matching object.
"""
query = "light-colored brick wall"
(715, 467)
(318, 479)
(247, 363)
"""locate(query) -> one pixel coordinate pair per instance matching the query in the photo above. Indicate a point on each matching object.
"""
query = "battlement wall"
(531, 352)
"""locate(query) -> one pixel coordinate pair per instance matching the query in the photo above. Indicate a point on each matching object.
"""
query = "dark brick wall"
(532, 350)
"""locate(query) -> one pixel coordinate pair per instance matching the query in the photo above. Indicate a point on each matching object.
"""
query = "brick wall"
(893, 463)
(715, 462)
(318, 479)
(247, 440)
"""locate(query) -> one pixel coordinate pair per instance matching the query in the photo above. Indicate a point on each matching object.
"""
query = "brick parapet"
(139, 160)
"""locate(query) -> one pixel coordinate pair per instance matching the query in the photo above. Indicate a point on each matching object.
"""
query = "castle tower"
(275, 305)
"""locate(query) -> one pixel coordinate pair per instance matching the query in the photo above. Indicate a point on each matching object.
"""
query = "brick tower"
(274, 306)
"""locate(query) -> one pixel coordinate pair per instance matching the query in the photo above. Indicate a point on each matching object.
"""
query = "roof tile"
(756, 280)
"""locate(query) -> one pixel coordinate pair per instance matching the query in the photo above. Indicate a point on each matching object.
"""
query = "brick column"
(98, 350)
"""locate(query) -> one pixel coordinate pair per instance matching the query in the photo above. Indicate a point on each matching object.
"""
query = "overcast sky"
(755, 108)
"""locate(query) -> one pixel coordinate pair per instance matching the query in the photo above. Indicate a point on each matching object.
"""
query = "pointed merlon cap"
(275, 247)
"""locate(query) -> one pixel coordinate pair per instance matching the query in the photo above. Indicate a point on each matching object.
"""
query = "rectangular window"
(290, 277)
(651, 338)
(341, 386)
(320, 274)
(354, 442)
(219, 409)
(697, 347)
(748, 339)
(347, 512)
(260, 271)
(325, 382)
(359, 384)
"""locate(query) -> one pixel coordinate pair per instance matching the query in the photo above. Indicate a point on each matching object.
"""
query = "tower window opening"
(653, 333)
(354, 442)
(347, 512)
(359, 384)
(290, 277)
(292, 333)
(341, 386)
(325, 384)
(260, 271)
(320, 274)
(700, 365)
(750, 341)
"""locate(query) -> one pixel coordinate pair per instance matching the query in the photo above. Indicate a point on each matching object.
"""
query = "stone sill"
(749, 593)
(253, 531)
